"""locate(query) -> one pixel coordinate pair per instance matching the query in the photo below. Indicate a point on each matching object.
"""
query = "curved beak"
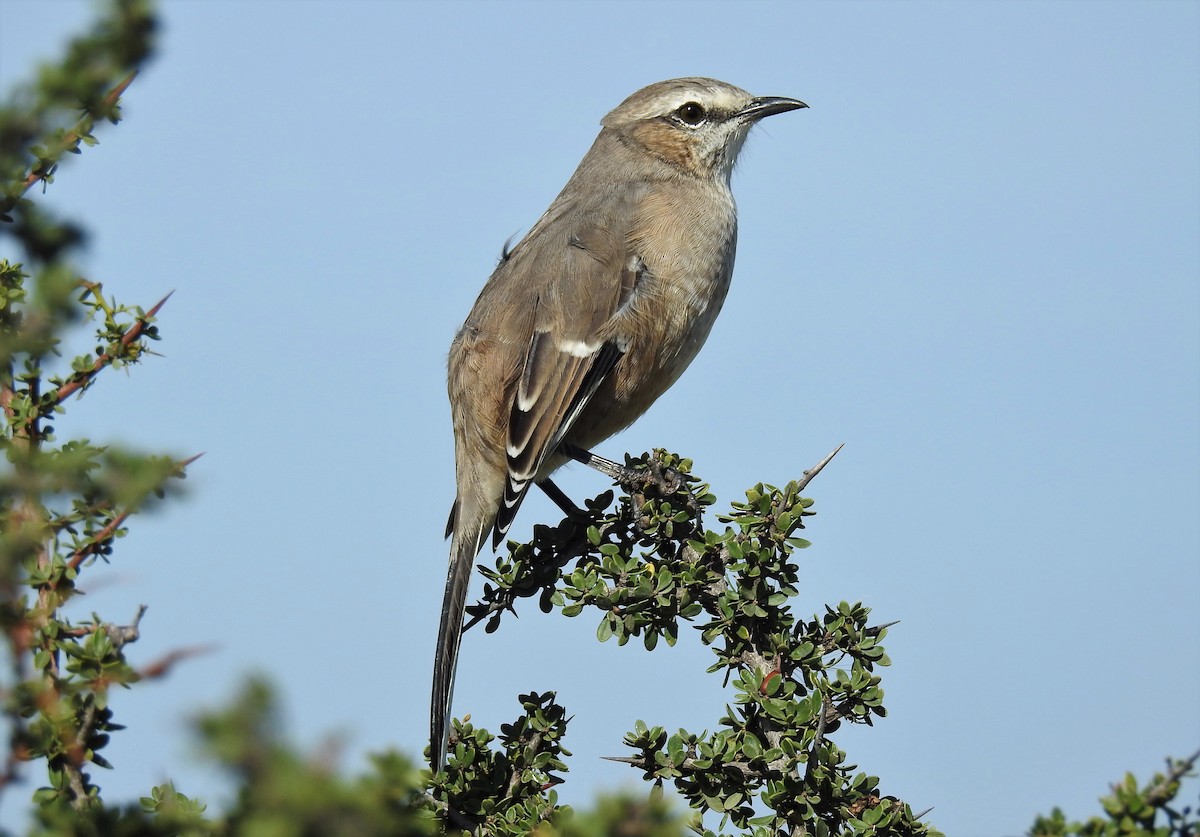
(761, 106)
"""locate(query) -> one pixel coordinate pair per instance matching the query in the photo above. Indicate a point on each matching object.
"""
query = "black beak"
(761, 106)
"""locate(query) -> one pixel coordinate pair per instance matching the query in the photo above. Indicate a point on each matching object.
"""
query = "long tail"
(445, 661)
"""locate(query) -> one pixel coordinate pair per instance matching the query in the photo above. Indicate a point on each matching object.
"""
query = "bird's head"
(695, 124)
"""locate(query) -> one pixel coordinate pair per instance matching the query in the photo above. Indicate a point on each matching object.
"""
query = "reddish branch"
(80, 379)
(97, 543)
(163, 665)
(108, 532)
(73, 137)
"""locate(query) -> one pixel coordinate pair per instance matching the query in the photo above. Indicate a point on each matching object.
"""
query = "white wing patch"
(578, 348)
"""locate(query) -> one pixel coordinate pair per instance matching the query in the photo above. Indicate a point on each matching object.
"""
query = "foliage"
(641, 563)
(1131, 810)
(502, 791)
(63, 505)
(648, 565)
(280, 792)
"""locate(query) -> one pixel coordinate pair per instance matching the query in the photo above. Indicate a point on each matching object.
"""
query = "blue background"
(975, 260)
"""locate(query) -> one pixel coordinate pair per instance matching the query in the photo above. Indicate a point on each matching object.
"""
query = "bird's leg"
(667, 480)
(560, 499)
(614, 470)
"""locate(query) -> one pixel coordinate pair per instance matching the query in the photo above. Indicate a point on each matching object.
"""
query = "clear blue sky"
(974, 260)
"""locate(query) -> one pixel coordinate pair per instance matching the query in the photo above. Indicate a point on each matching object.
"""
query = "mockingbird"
(591, 317)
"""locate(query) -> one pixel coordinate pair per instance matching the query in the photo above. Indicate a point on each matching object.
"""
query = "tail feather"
(462, 553)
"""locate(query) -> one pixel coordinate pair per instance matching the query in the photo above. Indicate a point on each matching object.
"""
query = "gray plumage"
(591, 316)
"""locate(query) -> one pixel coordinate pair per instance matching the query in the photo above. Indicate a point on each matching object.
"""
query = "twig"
(691, 764)
(106, 534)
(515, 779)
(623, 760)
(119, 634)
(1176, 770)
(820, 734)
(98, 541)
(123, 634)
(75, 757)
(574, 548)
(72, 137)
(81, 379)
(812, 472)
(163, 665)
(456, 819)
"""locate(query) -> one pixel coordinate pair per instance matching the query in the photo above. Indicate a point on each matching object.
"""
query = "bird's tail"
(463, 549)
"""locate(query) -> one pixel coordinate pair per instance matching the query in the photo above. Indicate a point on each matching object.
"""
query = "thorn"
(816, 469)
(80, 555)
(163, 665)
(621, 759)
(191, 459)
(154, 309)
(116, 92)
(110, 99)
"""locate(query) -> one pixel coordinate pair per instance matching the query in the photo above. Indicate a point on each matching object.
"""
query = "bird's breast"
(684, 242)
(690, 304)
(688, 249)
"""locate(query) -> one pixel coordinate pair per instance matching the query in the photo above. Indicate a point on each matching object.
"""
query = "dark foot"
(668, 481)
(560, 499)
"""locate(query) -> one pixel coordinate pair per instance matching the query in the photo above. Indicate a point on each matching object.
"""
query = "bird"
(590, 317)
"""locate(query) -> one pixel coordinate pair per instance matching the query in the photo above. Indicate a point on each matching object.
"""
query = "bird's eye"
(691, 113)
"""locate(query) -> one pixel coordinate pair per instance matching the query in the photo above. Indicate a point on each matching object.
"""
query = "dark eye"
(691, 113)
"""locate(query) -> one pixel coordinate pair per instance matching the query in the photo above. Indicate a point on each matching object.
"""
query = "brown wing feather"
(565, 363)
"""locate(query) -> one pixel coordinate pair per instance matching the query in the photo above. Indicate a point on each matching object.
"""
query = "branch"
(163, 665)
(505, 598)
(119, 634)
(73, 137)
(691, 765)
(97, 543)
(812, 472)
(514, 780)
(1162, 793)
(81, 379)
(101, 538)
(456, 819)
